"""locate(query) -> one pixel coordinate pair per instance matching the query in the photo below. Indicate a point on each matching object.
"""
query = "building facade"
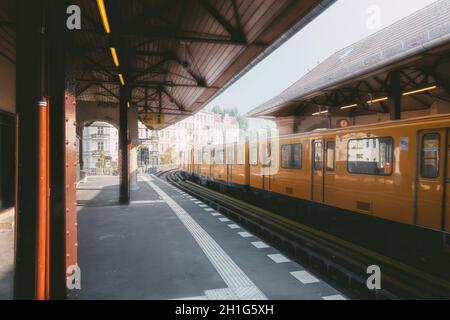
(100, 149)
(204, 128)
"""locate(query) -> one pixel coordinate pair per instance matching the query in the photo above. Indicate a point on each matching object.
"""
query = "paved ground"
(168, 245)
(6, 257)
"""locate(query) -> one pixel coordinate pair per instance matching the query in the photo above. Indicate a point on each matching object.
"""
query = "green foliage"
(232, 112)
(166, 158)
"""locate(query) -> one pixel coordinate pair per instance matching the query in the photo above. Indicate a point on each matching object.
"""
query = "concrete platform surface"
(6, 256)
(168, 245)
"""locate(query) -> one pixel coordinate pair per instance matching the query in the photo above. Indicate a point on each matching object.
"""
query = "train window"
(370, 156)
(254, 154)
(430, 155)
(266, 154)
(240, 154)
(330, 161)
(230, 155)
(7, 160)
(291, 156)
(219, 156)
(318, 155)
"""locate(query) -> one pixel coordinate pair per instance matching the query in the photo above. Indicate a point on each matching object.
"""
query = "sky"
(344, 23)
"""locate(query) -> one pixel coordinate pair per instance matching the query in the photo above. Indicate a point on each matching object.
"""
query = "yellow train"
(396, 170)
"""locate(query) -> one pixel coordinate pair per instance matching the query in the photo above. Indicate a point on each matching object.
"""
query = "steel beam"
(123, 142)
(395, 95)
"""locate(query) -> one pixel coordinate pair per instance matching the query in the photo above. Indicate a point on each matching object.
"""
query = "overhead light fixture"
(377, 100)
(419, 90)
(349, 106)
(114, 56)
(128, 104)
(320, 113)
(103, 15)
(122, 81)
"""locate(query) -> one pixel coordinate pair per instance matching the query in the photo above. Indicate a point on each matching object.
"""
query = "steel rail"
(334, 252)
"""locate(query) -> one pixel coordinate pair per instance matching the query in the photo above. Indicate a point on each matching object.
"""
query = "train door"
(433, 184)
(317, 179)
(230, 161)
(447, 184)
(266, 165)
(329, 168)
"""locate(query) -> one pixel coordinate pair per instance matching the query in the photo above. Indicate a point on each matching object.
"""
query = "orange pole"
(47, 216)
(42, 232)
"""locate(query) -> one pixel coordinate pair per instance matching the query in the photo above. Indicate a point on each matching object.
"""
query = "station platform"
(168, 245)
(6, 254)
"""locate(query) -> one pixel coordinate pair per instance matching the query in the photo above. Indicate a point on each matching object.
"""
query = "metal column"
(124, 142)
(395, 95)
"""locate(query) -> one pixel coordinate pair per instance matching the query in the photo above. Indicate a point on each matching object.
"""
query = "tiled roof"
(419, 32)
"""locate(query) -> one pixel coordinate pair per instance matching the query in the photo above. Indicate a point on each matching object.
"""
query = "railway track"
(342, 262)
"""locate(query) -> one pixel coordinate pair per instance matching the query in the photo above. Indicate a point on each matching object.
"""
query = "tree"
(166, 158)
(217, 110)
(232, 112)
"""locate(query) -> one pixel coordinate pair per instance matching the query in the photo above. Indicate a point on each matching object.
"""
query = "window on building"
(7, 160)
(291, 156)
(430, 155)
(330, 160)
(100, 131)
(318, 156)
(370, 156)
(100, 146)
(254, 154)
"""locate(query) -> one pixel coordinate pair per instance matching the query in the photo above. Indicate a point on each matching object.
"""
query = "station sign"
(152, 119)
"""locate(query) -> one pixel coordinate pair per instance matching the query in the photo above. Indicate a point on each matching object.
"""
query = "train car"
(396, 171)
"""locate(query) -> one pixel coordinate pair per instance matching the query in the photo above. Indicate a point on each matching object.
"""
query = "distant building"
(204, 128)
(100, 138)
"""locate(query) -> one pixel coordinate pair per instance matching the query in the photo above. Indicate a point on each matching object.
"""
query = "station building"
(399, 72)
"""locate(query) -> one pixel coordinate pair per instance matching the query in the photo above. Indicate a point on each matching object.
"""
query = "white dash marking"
(233, 226)
(278, 258)
(202, 205)
(209, 209)
(260, 245)
(334, 297)
(245, 234)
(215, 214)
(224, 219)
(305, 277)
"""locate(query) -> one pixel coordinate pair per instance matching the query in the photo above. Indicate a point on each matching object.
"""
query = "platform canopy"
(410, 56)
(177, 55)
